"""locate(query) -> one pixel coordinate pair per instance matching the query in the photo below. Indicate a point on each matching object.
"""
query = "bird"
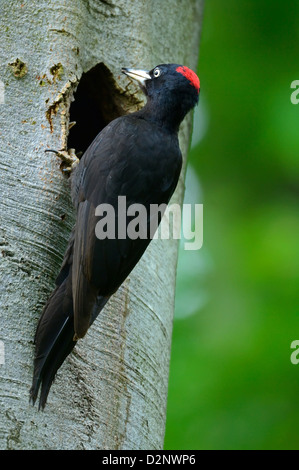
(136, 156)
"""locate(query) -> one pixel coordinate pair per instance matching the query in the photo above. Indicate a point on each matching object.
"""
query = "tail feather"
(54, 339)
(47, 365)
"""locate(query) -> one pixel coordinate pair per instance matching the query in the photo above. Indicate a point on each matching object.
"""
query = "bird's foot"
(68, 157)
(69, 160)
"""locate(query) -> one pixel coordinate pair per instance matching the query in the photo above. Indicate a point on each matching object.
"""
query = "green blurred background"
(232, 384)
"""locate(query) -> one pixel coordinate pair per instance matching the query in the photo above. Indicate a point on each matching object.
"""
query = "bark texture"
(111, 392)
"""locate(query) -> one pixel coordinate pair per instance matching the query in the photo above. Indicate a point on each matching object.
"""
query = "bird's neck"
(166, 116)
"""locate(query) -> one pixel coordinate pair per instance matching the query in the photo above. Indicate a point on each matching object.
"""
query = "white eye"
(157, 73)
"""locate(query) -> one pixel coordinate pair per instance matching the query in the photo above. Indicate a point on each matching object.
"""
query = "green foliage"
(232, 385)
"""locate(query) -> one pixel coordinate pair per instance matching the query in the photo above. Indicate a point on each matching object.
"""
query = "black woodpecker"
(136, 156)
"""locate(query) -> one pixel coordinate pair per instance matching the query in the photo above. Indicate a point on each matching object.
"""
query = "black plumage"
(136, 156)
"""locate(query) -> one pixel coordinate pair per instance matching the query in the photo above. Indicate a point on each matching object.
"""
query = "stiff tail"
(53, 341)
(54, 338)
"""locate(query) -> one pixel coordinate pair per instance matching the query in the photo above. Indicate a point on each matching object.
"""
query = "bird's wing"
(120, 162)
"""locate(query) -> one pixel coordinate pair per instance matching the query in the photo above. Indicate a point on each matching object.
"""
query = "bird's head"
(171, 89)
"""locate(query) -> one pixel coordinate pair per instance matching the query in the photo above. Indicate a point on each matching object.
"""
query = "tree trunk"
(111, 392)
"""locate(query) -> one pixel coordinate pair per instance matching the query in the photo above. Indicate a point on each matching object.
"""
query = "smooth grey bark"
(111, 392)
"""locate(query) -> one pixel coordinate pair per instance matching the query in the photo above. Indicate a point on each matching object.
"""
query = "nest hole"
(96, 103)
